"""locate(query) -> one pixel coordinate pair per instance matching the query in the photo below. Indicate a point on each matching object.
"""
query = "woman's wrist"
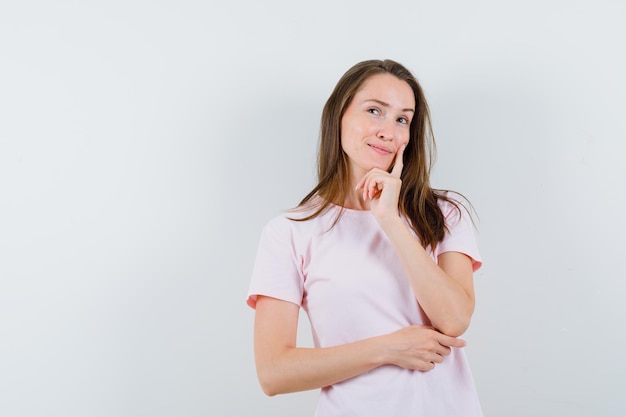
(391, 224)
(380, 353)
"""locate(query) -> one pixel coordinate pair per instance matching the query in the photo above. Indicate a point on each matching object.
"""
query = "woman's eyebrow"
(382, 103)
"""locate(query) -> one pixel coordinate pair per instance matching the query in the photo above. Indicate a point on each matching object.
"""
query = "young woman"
(381, 262)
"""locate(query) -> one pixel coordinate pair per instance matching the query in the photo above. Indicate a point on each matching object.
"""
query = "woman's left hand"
(383, 188)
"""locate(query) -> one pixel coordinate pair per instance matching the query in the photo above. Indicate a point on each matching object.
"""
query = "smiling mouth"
(378, 149)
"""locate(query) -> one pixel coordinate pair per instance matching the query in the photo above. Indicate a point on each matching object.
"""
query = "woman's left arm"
(445, 291)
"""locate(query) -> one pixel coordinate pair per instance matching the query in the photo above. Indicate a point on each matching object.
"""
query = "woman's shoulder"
(454, 206)
(449, 200)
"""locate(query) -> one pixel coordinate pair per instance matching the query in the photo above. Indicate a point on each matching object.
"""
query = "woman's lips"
(379, 149)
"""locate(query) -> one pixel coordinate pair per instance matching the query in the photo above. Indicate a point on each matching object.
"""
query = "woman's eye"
(403, 120)
(373, 111)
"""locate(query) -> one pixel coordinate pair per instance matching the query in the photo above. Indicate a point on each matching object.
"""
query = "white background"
(143, 145)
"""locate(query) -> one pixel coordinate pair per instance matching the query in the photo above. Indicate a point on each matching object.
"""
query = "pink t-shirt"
(352, 285)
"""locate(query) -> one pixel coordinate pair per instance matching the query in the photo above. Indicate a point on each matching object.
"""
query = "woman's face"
(376, 124)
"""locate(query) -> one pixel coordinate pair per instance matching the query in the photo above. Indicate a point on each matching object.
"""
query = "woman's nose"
(385, 130)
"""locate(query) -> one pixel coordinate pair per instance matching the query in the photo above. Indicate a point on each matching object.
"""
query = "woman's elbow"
(455, 328)
(268, 389)
(269, 382)
(453, 331)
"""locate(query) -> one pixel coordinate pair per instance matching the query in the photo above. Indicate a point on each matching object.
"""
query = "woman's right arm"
(282, 367)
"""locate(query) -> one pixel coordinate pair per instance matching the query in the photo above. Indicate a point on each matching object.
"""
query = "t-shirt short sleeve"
(277, 269)
(460, 235)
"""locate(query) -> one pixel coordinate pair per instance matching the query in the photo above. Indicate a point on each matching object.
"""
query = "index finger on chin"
(398, 164)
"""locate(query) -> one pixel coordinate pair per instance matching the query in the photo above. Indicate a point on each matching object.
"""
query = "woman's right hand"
(419, 347)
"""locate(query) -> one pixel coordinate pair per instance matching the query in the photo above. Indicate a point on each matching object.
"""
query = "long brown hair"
(418, 201)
